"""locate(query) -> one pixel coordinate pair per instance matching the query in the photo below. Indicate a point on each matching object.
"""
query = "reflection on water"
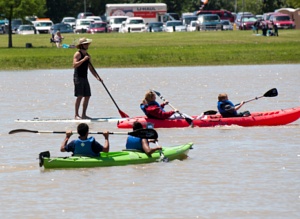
(232, 172)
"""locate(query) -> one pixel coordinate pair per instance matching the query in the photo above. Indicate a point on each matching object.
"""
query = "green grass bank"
(116, 50)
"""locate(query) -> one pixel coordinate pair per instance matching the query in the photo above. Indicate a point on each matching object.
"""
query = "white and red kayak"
(269, 118)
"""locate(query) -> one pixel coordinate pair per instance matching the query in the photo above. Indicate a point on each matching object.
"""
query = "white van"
(95, 18)
(115, 22)
(133, 25)
(43, 26)
(82, 25)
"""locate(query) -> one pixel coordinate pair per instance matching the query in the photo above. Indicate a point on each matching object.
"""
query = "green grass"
(155, 49)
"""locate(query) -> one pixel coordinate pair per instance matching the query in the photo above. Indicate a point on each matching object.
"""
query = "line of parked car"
(88, 23)
(246, 21)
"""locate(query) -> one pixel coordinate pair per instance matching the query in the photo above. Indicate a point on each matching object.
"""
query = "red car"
(283, 21)
(266, 18)
(247, 22)
(98, 27)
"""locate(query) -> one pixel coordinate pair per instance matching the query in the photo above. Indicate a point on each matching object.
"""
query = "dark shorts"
(82, 87)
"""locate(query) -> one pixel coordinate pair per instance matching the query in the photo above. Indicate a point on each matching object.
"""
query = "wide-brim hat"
(83, 41)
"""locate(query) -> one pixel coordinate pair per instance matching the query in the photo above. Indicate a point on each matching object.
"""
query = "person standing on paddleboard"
(81, 64)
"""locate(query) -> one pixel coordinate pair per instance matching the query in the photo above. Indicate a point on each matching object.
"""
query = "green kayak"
(115, 158)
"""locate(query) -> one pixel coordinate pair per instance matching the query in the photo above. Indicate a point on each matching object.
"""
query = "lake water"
(232, 172)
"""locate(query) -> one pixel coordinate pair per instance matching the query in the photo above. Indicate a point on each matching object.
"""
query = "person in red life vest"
(84, 145)
(153, 109)
(141, 144)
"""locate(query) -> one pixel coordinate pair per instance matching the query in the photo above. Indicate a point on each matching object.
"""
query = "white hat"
(82, 41)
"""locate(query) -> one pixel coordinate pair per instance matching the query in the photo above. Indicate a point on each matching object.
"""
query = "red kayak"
(270, 118)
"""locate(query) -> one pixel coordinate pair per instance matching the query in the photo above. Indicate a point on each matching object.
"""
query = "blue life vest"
(222, 109)
(143, 108)
(152, 103)
(134, 143)
(84, 147)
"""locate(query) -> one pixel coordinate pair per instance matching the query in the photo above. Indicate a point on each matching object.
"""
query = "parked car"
(174, 26)
(62, 27)
(132, 25)
(69, 20)
(209, 22)
(98, 27)
(15, 23)
(187, 19)
(115, 22)
(239, 21)
(82, 15)
(223, 14)
(242, 14)
(259, 17)
(95, 18)
(43, 26)
(3, 24)
(82, 25)
(193, 26)
(283, 21)
(26, 29)
(247, 23)
(226, 25)
(170, 17)
(155, 27)
(266, 18)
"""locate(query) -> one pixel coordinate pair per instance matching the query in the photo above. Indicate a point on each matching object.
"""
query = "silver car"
(174, 26)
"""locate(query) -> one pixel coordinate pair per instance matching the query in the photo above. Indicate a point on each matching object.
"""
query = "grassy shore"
(155, 49)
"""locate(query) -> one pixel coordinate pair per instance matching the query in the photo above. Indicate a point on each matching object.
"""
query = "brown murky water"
(232, 172)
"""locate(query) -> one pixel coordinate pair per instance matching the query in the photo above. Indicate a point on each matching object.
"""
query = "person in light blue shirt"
(141, 144)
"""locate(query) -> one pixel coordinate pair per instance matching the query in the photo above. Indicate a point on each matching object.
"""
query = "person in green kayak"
(81, 64)
(141, 144)
(228, 109)
(84, 145)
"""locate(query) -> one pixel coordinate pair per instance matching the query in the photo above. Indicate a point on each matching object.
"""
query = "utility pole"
(235, 6)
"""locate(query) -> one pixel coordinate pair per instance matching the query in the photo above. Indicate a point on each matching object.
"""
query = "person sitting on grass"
(141, 144)
(84, 146)
(58, 39)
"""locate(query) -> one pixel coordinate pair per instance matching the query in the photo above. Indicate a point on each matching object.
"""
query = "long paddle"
(270, 93)
(188, 120)
(140, 133)
(123, 115)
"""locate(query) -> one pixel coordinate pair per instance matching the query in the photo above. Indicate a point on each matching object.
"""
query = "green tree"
(293, 3)
(19, 9)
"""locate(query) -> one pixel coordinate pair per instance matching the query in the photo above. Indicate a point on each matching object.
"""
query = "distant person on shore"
(84, 146)
(256, 26)
(81, 64)
(141, 144)
(275, 29)
(58, 39)
(228, 109)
